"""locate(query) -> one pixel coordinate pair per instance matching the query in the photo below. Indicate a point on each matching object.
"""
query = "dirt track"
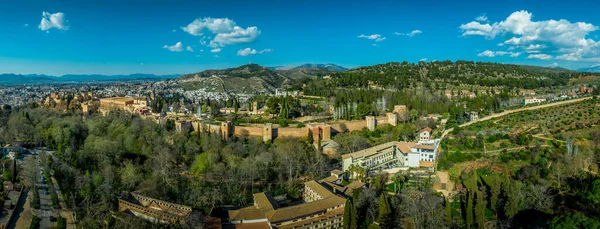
(515, 111)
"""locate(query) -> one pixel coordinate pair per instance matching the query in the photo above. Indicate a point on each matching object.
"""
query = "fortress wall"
(338, 127)
(290, 132)
(250, 131)
(349, 125)
(209, 127)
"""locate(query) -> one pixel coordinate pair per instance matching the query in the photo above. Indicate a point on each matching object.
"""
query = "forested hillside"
(403, 75)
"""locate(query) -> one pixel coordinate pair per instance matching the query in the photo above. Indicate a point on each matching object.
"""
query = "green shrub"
(35, 202)
(35, 222)
(61, 223)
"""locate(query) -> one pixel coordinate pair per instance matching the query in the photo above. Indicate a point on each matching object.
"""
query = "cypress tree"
(385, 212)
(348, 214)
(470, 209)
(14, 171)
(354, 218)
(448, 214)
(512, 200)
(495, 193)
(355, 215)
(480, 210)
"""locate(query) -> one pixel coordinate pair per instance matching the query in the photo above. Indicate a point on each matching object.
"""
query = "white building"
(533, 100)
(282, 92)
(425, 134)
(392, 154)
(473, 116)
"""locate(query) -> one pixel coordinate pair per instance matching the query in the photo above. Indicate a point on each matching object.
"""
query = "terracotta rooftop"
(426, 129)
(370, 151)
(261, 225)
(428, 164)
(329, 214)
(267, 208)
(337, 172)
(404, 147)
(305, 209)
(319, 189)
(265, 202)
(430, 147)
(330, 179)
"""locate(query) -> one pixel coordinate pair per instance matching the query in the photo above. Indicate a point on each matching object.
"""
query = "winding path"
(515, 111)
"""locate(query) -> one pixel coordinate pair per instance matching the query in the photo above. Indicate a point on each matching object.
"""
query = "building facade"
(392, 155)
(533, 100)
(154, 210)
(323, 207)
(425, 134)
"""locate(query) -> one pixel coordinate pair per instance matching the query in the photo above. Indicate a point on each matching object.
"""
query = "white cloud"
(500, 44)
(201, 50)
(489, 53)
(189, 49)
(375, 37)
(26, 25)
(569, 41)
(554, 64)
(265, 51)
(476, 28)
(174, 30)
(237, 36)
(482, 18)
(571, 57)
(246, 52)
(178, 47)
(56, 20)
(215, 25)
(540, 56)
(423, 60)
(224, 30)
(216, 56)
(411, 34)
(215, 50)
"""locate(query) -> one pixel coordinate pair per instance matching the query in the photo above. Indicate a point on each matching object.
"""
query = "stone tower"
(267, 132)
(371, 122)
(326, 132)
(392, 119)
(255, 106)
(225, 130)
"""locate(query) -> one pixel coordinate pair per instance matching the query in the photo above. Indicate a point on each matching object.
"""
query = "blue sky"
(111, 37)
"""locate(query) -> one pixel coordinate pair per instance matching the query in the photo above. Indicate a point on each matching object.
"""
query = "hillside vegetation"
(402, 75)
(250, 78)
(253, 78)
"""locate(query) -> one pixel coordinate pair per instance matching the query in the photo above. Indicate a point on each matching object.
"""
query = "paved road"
(515, 111)
(45, 206)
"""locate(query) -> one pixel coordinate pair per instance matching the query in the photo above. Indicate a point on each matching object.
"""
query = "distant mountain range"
(332, 67)
(40, 79)
(593, 68)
